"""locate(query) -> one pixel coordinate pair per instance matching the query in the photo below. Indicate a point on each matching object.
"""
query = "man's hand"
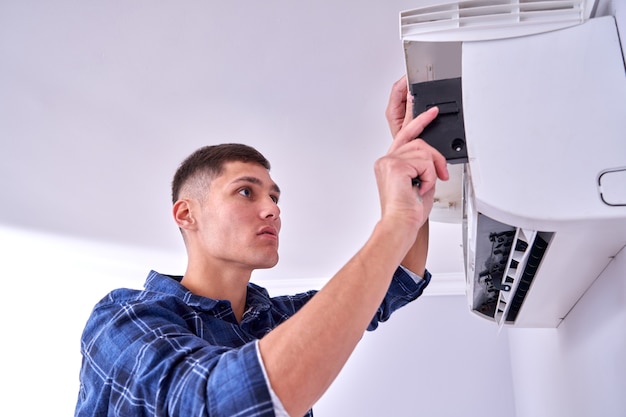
(404, 131)
(408, 158)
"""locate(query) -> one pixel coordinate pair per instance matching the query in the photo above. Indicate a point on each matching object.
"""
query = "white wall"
(579, 369)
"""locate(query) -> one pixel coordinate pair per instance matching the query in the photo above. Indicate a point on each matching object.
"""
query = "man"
(210, 343)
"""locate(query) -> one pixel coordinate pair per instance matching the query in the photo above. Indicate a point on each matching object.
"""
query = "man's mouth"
(268, 231)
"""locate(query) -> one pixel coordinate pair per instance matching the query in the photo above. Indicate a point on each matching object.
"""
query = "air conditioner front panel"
(536, 109)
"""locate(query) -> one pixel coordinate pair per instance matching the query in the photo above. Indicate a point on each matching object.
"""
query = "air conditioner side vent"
(538, 249)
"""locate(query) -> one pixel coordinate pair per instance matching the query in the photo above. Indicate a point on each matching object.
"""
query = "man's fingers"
(397, 105)
(428, 179)
(408, 109)
(441, 166)
(414, 128)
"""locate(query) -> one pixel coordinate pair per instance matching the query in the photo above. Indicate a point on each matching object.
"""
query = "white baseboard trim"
(447, 283)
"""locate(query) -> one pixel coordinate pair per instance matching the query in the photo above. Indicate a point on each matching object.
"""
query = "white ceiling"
(100, 101)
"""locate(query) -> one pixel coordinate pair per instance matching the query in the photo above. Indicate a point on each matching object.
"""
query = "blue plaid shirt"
(164, 351)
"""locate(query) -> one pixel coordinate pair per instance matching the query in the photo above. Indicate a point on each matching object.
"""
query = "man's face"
(239, 220)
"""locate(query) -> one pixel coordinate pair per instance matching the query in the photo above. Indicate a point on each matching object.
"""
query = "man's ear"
(183, 215)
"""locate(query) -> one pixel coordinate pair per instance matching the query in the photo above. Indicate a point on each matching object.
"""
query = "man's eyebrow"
(256, 181)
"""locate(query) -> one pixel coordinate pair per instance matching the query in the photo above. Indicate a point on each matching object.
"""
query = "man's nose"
(270, 209)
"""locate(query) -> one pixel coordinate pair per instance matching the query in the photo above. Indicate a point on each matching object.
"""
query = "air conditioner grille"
(491, 19)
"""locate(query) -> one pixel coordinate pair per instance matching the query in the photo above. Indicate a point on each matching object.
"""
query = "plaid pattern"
(164, 351)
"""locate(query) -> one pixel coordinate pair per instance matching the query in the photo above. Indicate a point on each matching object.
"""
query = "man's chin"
(270, 265)
(267, 263)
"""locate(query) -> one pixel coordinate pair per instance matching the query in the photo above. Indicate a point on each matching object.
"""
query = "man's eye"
(245, 192)
(274, 199)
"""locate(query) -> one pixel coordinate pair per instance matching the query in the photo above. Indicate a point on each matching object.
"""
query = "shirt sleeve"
(279, 409)
(405, 287)
(412, 274)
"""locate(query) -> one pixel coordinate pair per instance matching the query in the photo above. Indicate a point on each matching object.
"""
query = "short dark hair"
(209, 160)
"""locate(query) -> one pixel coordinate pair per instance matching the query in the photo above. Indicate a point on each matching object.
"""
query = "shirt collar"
(257, 297)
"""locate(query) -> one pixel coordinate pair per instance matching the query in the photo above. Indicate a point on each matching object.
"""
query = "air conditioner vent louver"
(490, 19)
(536, 253)
(507, 260)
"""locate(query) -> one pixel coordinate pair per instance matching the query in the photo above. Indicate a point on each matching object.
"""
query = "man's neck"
(219, 284)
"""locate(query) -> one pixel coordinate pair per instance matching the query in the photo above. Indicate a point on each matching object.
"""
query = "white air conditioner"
(532, 98)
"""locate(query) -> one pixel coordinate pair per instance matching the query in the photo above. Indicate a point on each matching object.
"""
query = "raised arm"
(303, 355)
(399, 113)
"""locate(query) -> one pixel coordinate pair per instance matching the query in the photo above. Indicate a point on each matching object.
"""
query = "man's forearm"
(415, 259)
(304, 355)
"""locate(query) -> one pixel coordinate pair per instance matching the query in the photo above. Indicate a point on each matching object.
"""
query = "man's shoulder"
(157, 288)
(132, 297)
